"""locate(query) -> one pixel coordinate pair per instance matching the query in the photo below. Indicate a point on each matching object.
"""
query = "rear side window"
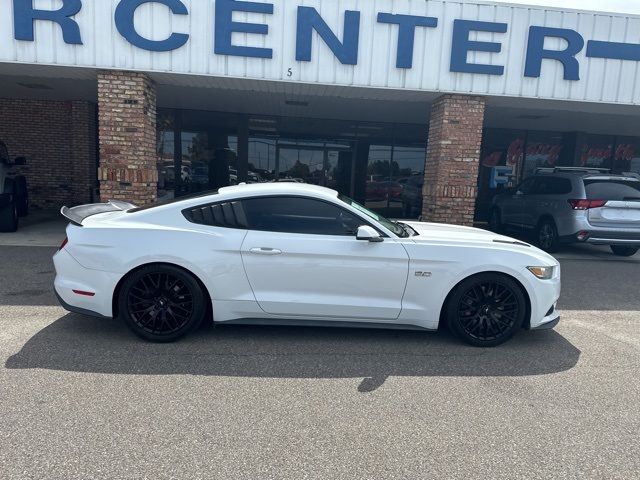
(299, 215)
(552, 186)
(224, 214)
(526, 187)
(612, 190)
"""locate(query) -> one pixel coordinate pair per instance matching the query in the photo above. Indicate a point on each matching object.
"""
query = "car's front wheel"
(623, 251)
(487, 309)
(161, 303)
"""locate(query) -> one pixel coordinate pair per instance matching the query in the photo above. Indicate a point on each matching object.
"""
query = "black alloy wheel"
(623, 251)
(161, 303)
(548, 236)
(487, 309)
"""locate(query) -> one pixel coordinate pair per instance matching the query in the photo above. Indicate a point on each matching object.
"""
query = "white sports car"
(293, 254)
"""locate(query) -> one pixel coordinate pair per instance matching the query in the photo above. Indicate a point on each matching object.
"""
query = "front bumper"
(550, 320)
(70, 276)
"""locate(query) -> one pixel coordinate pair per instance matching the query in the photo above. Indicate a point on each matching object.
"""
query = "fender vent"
(513, 242)
(226, 214)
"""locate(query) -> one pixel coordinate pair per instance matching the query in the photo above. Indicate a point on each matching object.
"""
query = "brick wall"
(453, 157)
(59, 141)
(127, 129)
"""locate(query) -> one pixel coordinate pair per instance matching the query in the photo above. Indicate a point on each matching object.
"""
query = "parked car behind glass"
(568, 205)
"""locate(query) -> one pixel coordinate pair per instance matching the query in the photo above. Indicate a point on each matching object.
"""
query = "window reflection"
(199, 151)
(394, 180)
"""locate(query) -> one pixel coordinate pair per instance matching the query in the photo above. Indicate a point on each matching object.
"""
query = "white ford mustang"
(286, 253)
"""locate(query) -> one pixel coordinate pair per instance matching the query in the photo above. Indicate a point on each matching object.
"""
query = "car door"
(533, 194)
(514, 207)
(302, 259)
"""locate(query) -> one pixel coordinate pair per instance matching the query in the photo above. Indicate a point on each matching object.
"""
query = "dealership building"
(412, 107)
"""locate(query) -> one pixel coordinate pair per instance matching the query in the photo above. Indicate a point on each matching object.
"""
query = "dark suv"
(14, 201)
(571, 205)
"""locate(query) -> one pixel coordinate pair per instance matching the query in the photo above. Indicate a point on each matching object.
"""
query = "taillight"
(586, 204)
(64, 243)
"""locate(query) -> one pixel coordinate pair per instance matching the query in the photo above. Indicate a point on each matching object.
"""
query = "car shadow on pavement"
(81, 344)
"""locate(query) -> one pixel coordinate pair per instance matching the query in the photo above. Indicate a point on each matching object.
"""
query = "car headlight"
(543, 273)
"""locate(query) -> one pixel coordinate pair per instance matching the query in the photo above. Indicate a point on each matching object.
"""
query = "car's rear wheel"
(622, 251)
(161, 303)
(487, 309)
(548, 239)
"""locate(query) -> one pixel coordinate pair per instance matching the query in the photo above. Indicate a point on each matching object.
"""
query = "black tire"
(161, 303)
(622, 251)
(487, 309)
(547, 233)
(22, 195)
(9, 213)
(495, 221)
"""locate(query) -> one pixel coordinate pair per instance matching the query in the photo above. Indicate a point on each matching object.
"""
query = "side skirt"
(323, 323)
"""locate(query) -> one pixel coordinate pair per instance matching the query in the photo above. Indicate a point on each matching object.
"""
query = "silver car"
(569, 205)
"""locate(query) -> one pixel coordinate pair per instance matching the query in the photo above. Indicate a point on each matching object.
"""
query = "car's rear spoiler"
(77, 214)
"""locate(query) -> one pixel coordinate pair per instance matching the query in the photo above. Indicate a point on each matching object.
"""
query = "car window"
(552, 186)
(299, 215)
(526, 186)
(612, 189)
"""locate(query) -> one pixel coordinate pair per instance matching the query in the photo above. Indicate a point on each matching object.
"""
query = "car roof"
(242, 191)
(587, 175)
(275, 188)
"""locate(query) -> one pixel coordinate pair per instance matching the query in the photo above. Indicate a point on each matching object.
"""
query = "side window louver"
(226, 214)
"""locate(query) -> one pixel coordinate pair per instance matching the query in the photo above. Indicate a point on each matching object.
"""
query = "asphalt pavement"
(83, 398)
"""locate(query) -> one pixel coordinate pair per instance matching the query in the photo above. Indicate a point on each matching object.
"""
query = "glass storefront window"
(595, 151)
(501, 157)
(394, 180)
(262, 159)
(199, 151)
(542, 150)
(626, 157)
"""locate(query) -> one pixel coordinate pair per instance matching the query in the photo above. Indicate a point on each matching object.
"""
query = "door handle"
(265, 251)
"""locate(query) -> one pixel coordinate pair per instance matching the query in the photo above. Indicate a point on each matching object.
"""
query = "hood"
(441, 231)
(456, 234)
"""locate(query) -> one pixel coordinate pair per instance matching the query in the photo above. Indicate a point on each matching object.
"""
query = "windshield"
(395, 227)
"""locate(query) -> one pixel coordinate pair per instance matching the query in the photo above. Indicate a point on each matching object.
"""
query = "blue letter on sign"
(406, 34)
(225, 27)
(462, 46)
(536, 51)
(125, 13)
(24, 14)
(309, 20)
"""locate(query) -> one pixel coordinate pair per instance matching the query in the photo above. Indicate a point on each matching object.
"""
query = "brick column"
(127, 130)
(453, 157)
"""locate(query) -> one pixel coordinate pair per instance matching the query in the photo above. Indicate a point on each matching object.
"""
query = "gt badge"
(423, 274)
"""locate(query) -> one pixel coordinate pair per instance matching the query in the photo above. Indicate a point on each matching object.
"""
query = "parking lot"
(82, 398)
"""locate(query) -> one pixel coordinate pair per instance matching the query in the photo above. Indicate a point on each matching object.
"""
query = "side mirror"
(369, 234)
(20, 161)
